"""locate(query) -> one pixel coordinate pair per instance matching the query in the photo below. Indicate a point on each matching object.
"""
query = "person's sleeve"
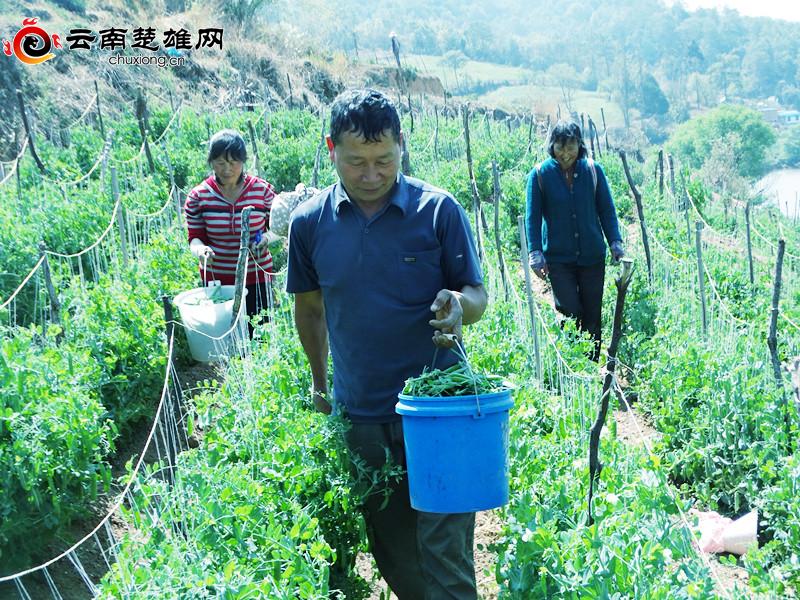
(605, 208)
(269, 195)
(460, 261)
(194, 218)
(533, 212)
(302, 276)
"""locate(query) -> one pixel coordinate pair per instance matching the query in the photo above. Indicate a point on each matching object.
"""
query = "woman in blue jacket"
(569, 212)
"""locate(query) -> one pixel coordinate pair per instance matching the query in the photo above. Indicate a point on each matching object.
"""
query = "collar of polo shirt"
(399, 196)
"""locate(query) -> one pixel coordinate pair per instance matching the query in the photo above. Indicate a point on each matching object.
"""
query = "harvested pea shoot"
(457, 380)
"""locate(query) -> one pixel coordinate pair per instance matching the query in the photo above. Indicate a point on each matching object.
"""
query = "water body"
(783, 188)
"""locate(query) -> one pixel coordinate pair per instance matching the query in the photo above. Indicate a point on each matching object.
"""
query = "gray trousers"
(421, 555)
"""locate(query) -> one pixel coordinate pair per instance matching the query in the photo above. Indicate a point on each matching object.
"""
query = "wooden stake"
(605, 128)
(671, 163)
(405, 159)
(256, 163)
(291, 94)
(595, 466)
(476, 201)
(169, 320)
(123, 234)
(498, 245)
(701, 280)
(29, 131)
(531, 124)
(318, 156)
(660, 169)
(241, 276)
(523, 254)
(51, 291)
(436, 134)
(141, 116)
(772, 338)
(640, 210)
(99, 111)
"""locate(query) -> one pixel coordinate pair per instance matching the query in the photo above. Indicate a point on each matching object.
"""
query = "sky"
(777, 9)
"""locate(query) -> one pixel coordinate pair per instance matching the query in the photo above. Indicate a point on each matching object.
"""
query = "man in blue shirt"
(370, 258)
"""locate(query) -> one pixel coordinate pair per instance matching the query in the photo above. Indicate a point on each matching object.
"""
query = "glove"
(201, 250)
(538, 264)
(259, 242)
(617, 251)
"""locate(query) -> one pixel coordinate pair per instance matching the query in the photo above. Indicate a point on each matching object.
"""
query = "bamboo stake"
(660, 169)
(793, 368)
(640, 210)
(498, 245)
(55, 305)
(523, 252)
(701, 276)
(595, 466)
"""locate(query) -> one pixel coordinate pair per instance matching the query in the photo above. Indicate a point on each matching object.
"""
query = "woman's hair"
(229, 143)
(363, 112)
(564, 131)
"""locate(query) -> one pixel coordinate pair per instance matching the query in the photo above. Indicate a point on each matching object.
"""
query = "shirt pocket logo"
(420, 276)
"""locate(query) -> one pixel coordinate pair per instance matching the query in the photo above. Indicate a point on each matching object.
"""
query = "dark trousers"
(578, 294)
(259, 297)
(422, 556)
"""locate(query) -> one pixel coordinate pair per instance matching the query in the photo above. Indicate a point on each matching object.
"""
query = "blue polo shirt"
(378, 278)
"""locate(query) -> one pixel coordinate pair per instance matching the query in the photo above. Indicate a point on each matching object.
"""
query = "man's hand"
(617, 251)
(321, 404)
(449, 318)
(538, 264)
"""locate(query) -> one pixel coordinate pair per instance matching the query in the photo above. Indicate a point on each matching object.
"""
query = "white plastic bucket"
(208, 325)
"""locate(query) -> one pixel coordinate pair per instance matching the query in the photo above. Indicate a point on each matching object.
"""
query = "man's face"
(566, 152)
(367, 169)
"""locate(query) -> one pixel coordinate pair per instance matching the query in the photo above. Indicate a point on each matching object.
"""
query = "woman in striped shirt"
(214, 219)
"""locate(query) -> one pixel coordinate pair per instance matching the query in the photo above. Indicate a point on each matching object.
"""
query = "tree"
(694, 140)
(568, 80)
(790, 147)
(652, 100)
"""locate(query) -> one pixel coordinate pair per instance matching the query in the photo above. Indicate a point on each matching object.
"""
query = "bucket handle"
(461, 352)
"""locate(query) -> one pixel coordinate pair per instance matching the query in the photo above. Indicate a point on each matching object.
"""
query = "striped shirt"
(217, 223)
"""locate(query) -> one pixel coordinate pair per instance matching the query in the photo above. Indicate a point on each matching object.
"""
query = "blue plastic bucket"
(456, 451)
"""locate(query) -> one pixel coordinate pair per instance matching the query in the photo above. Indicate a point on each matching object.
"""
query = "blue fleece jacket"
(568, 226)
